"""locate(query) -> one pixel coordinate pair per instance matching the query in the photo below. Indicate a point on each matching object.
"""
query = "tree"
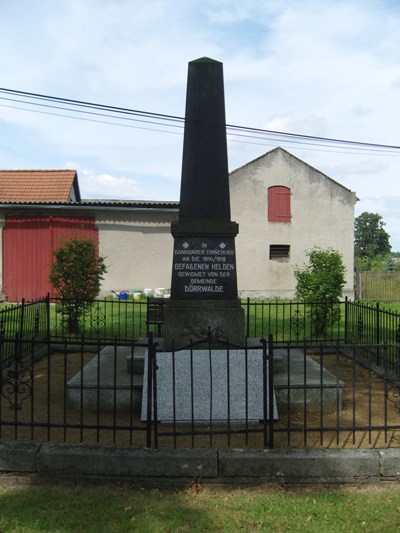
(76, 275)
(370, 238)
(320, 284)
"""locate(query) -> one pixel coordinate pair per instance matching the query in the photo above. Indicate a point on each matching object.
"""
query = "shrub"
(321, 284)
(76, 275)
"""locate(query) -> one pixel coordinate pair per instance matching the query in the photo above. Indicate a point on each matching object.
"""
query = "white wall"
(322, 215)
(138, 248)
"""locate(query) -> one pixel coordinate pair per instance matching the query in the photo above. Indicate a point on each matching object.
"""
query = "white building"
(284, 207)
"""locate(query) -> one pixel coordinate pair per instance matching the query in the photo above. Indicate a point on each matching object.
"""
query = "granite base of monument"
(301, 383)
(186, 321)
(208, 385)
(104, 385)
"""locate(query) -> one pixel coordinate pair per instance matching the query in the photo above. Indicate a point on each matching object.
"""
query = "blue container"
(123, 295)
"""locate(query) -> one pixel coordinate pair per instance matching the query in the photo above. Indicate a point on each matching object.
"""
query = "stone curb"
(300, 466)
(390, 463)
(125, 461)
(18, 456)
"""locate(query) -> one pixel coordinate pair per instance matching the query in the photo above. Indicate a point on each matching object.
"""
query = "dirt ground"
(42, 414)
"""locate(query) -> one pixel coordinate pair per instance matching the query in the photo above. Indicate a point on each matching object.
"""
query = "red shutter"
(28, 244)
(279, 204)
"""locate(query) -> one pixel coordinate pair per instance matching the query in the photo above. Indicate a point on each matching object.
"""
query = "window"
(279, 251)
(279, 204)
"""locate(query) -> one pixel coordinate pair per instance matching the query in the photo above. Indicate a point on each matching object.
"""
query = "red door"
(28, 244)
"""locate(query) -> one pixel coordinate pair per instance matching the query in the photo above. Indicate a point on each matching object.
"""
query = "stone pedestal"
(190, 320)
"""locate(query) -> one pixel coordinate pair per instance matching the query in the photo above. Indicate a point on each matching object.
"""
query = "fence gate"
(210, 393)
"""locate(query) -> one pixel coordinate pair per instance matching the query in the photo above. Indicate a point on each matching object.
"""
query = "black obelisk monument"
(204, 298)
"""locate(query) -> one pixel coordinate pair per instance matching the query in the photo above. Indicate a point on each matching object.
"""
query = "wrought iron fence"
(25, 321)
(289, 321)
(292, 322)
(201, 396)
(378, 330)
(106, 319)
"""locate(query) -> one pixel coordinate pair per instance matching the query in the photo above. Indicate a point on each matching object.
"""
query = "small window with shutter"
(279, 204)
(279, 251)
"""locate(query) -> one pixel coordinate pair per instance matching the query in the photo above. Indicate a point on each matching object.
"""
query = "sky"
(324, 68)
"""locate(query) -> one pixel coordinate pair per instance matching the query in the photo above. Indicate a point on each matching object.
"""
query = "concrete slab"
(300, 465)
(126, 461)
(301, 382)
(18, 456)
(390, 462)
(104, 384)
(195, 385)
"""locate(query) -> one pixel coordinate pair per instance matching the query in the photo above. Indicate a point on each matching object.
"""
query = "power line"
(84, 112)
(91, 120)
(89, 104)
(172, 121)
(267, 141)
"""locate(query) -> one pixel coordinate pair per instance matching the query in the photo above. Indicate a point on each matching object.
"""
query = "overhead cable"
(171, 121)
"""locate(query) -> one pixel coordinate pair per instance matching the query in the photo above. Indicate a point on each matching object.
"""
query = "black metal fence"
(25, 321)
(290, 322)
(112, 383)
(258, 395)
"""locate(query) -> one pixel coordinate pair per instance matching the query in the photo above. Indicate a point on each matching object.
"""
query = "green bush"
(320, 284)
(76, 275)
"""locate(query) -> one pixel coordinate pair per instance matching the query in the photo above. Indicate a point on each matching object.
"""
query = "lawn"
(195, 509)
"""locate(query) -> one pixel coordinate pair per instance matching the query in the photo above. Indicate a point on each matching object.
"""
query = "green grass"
(102, 510)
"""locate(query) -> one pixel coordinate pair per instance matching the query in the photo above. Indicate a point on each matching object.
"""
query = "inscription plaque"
(204, 268)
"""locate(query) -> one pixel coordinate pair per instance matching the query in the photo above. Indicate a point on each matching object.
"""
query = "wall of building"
(322, 215)
(138, 247)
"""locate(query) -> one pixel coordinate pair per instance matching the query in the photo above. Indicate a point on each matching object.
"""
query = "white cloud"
(312, 67)
(105, 186)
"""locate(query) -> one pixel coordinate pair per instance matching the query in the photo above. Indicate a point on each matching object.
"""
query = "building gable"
(39, 186)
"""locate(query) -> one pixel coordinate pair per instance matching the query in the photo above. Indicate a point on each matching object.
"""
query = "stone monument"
(204, 298)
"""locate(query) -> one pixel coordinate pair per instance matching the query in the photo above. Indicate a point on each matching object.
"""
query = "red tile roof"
(39, 186)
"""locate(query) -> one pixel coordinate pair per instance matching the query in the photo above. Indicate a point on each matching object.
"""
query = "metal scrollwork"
(16, 387)
(98, 320)
(297, 322)
(207, 333)
(393, 397)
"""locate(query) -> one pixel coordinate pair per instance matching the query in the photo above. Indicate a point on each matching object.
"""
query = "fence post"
(346, 318)
(377, 332)
(155, 403)
(48, 316)
(248, 317)
(377, 324)
(22, 319)
(149, 389)
(268, 372)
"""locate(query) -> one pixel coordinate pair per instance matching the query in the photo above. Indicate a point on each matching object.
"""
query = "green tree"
(371, 240)
(320, 284)
(76, 275)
